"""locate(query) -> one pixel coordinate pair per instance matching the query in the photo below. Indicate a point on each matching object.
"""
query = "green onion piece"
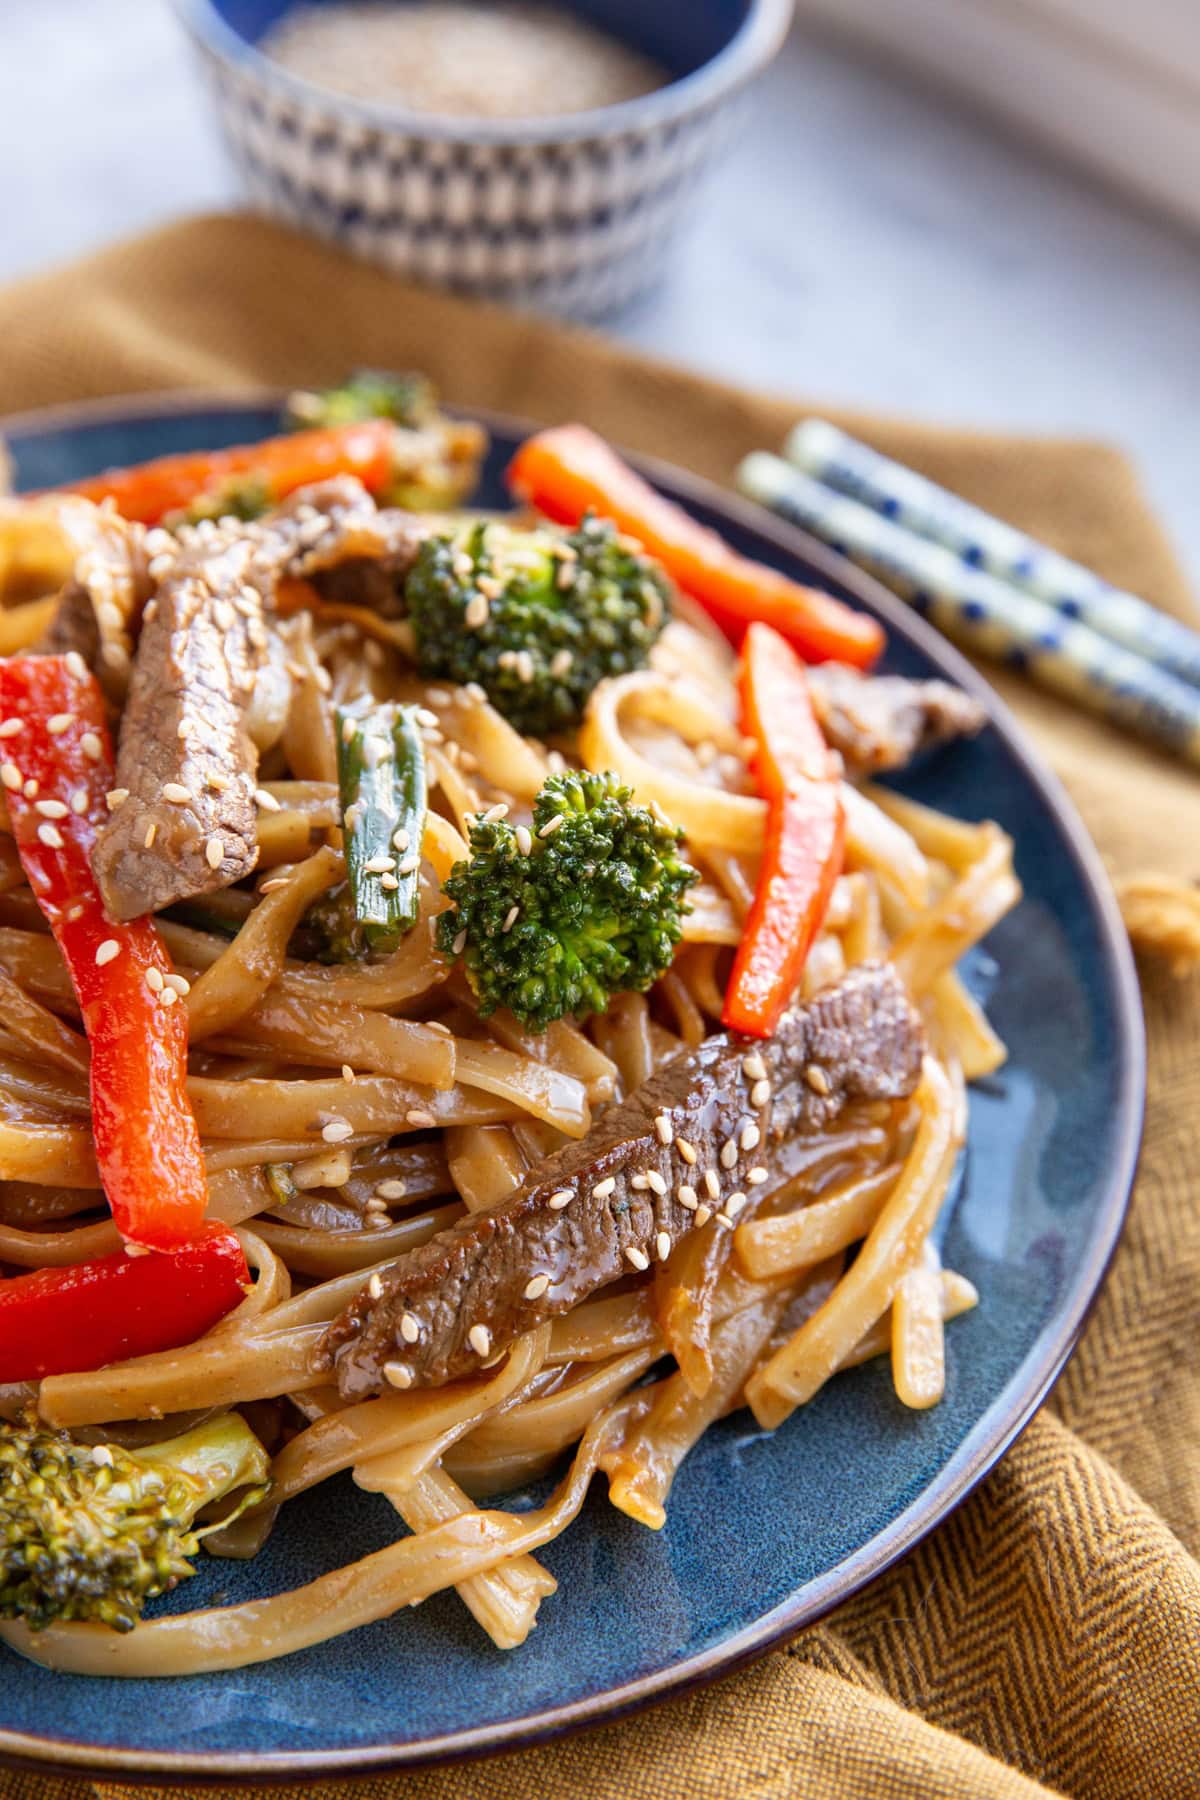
(381, 775)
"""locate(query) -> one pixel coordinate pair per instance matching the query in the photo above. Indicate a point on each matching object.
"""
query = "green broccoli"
(93, 1532)
(435, 458)
(536, 617)
(559, 919)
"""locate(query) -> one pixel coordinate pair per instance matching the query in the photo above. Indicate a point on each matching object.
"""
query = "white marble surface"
(866, 243)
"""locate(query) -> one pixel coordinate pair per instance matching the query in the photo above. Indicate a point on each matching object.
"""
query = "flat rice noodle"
(564, 1046)
(485, 1162)
(328, 1253)
(538, 1088)
(374, 1106)
(40, 1030)
(333, 1034)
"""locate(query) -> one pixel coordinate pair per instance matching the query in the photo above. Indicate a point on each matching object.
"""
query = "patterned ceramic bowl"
(572, 213)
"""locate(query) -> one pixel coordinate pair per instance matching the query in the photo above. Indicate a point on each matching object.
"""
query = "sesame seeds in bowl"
(573, 211)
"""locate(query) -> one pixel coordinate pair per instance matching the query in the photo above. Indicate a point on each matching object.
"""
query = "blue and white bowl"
(574, 213)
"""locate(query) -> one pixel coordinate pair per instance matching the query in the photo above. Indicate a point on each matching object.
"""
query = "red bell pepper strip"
(63, 1321)
(151, 490)
(569, 471)
(56, 772)
(802, 852)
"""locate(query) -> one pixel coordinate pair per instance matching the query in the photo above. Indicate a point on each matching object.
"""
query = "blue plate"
(765, 1532)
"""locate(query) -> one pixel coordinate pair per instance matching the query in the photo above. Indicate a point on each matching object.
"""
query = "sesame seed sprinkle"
(375, 1288)
(349, 730)
(410, 1327)
(154, 980)
(562, 1198)
(760, 1093)
(400, 839)
(480, 1340)
(176, 793)
(10, 775)
(168, 996)
(536, 1287)
(510, 918)
(655, 1181)
(178, 984)
(30, 788)
(337, 1131)
(379, 865)
(756, 1176)
(106, 951)
(495, 813)
(151, 834)
(604, 1188)
(551, 826)
(266, 802)
(419, 1117)
(703, 1215)
(399, 1375)
(11, 727)
(753, 1067)
(50, 809)
(686, 1196)
(686, 1150)
(662, 1246)
(348, 1075)
(664, 1128)
(392, 1189)
(817, 1080)
(214, 852)
(460, 942)
(524, 840)
(751, 1136)
(57, 723)
(712, 1184)
(388, 882)
(636, 1258)
(640, 1183)
(476, 612)
(51, 836)
(79, 802)
(729, 1154)
(409, 866)
(102, 1456)
(734, 1205)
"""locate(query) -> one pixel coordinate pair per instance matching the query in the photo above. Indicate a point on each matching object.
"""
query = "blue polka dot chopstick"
(982, 542)
(986, 615)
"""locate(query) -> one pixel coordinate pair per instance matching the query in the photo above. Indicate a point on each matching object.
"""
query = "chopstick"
(986, 615)
(982, 542)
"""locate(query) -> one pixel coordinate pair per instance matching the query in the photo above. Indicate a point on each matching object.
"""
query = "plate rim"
(992, 1435)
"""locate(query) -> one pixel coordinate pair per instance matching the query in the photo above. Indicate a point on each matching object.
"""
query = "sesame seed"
(388, 883)
(510, 918)
(348, 1074)
(50, 809)
(57, 723)
(756, 1176)
(176, 793)
(760, 1093)
(276, 882)
(10, 775)
(392, 1189)
(734, 1205)
(151, 834)
(524, 840)
(480, 1339)
(475, 692)
(753, 1067)
(76, 665)
(214, 852)
(154, 980)
(106, 951)
(604, 1188)
(337, 1131)
(560, 662)
(375, 1288)
(655, 1181)
(463, 567)
(400, 839)
(535, 1288)
(817, 1080)
(425, 717)
(102, 1456)
(686, 1150)
(705, 753)
(168, 996)
(686, 1196)
(751, 1136)
(217, 782)
(460, 942)
(640, 1183)
(551, 826)
(349, 730)
(495, 813)
(76, 911)
(398, 1374)
(410, 1328)
(703, 1215)
(183, 729)
(562, 1198)
(79, 802)
(51, 836)
(137, 1250)
(11, 727)
(266, 801)
(664, 1128)
(476, 613)
(524, 666)
(728, 1154)
(409, 866)
(178, 984)
(724, 1219)
(379, 865)
(662, 1245)
(637, 1258)
(418, 1116)
(712, 1184)
(30, 788)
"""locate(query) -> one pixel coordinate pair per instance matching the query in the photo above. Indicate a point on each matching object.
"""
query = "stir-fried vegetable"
(537, 618)
(56, 771)
(569, 472)
(381, 776)
(151, 491)
(58, 1321)
(802, 853)
(560, 918)
(435, 459)
(404, 397)
(93, 1532)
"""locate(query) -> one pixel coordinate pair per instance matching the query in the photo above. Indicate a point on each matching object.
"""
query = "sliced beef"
(447, 1307)
(879, 722)
(364, 554)
(100, 607)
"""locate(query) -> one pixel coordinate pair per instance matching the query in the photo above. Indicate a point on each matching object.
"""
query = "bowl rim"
(994, 1431)
(754, 44)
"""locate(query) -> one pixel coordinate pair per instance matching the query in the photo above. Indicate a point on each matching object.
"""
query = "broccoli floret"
(241, 497)
(590, 909)
(91, 1532)
(407, 398)
(435, 458)
(536, 617)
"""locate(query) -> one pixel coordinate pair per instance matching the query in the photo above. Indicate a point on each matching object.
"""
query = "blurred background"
(983, 213)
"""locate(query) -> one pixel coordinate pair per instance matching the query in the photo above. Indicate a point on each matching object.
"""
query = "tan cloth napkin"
(1046, 1640)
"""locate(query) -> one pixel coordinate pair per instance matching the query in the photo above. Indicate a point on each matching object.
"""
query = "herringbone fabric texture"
(1046, 1640)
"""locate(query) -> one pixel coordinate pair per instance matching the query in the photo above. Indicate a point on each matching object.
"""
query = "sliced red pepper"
(56, 771)
(150, 490)
(63, 1321)
(802, 850)
(569, 471)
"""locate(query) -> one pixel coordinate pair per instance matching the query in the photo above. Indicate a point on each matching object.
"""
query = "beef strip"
(207, 665)
(450, 1305)
(878, 722)
(100, 607)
